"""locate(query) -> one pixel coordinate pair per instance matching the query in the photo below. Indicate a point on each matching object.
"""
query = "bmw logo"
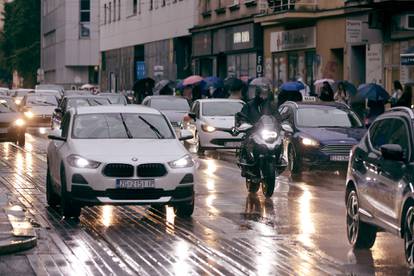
(134, 159)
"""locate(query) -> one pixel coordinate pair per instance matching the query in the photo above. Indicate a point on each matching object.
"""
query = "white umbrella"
(87, 86)
(321, 81)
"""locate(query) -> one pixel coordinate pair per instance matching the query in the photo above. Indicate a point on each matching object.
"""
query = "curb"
(14, 246)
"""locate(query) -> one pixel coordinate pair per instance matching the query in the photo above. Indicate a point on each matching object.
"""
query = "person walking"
(341, 95)
(397, 93)
(405, 99)
(327, 94)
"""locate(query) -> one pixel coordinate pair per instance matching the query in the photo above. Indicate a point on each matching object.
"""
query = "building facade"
(145, 38)
(227, 42)
(69, 42)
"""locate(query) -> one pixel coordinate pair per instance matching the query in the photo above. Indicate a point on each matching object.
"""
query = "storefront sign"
(140, 70)
(407, 58)
(374, 63)
(259, 66)
(353, 31)
(304, 38)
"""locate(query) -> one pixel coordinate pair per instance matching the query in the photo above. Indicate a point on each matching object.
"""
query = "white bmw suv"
(119, 155)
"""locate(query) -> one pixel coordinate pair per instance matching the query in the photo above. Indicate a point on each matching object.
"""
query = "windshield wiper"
(126, 127)
(153, 128)
(97, 102)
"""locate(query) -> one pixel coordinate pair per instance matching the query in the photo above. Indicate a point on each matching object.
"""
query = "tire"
(251, 186)
(293, 164)
(360, 234)
(199, 148)
(69, 208)
(409, 237)
(52, 198)
(184, 209)
(268, 184)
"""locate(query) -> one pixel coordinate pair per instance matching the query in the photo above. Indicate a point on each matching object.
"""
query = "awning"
(407, 58)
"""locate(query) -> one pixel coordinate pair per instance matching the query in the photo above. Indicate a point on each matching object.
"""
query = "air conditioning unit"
(407, 22)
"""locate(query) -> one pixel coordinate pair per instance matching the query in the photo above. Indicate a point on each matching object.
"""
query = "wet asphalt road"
(299, 231)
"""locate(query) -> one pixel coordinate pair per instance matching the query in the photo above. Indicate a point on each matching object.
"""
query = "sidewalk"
(16, 232)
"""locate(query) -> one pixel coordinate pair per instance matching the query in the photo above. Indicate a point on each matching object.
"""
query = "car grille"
(151, 170)
(118, 170)
(337, 149)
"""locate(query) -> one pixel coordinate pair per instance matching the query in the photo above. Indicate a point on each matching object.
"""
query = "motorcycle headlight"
(208, 128)
(184, 162)
(77, 161)
(19, 122)
(269, 135)
(29, 114)
(309, 142)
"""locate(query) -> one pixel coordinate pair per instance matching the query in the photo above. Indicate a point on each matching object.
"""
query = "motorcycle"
(261, 155)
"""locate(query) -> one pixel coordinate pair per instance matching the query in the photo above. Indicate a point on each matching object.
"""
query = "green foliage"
(20, 40)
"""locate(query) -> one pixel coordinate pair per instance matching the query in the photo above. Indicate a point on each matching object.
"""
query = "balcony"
(292, 5)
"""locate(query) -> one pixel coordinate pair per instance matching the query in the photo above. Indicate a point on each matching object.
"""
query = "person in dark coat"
(406, 98)
(327, 94)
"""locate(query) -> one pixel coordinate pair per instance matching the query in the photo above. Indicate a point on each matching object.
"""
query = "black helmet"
(260, 88)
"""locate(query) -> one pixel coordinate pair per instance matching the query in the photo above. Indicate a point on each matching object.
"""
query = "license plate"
(233, 144)
(135, 183)
(3, 130)
(340, 158)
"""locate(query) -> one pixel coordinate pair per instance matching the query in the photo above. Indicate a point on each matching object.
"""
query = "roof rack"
(403, 109)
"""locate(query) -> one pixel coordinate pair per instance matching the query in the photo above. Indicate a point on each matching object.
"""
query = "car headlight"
(82, 163)
(309, 142)
(18, 102)
(19, 122)
(184, 162)
(269, 135)
(29, 114)
(208, 128)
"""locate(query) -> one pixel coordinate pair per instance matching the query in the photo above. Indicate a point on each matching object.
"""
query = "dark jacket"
(327, 95)
(405, 99)
(253, 110)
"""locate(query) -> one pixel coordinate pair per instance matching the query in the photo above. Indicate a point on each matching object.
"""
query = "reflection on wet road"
(299, 231)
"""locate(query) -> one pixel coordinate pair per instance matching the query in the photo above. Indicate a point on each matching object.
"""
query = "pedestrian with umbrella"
(341, 95)
(397, 93)
(164, 87)
(213, 87)
(327, 94)
(234, 87)
(406, 98)
(377, 98)
(290, 91)
(192, 89)
(142, 88)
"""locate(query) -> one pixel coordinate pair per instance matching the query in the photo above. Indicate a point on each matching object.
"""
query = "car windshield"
(7, 106)
(327, 117)
(87, 102)
(42, 100)
(121, 126)
(221, 109)
(116, 99)
(178, 104)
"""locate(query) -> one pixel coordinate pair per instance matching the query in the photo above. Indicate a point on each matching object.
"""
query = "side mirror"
(192, 116)
(56, 138)
(185, 135)
(244, 127)
(392, 152)
(287, 128)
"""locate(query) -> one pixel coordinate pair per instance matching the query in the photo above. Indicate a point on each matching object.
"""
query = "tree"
(20, 40)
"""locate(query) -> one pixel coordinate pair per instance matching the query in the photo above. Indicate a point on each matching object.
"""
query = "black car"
(71, 101)
(12, 124)
(379, 186)
(319, 134)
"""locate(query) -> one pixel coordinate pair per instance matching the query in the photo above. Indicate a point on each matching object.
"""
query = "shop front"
(293, 55)
(230, 51)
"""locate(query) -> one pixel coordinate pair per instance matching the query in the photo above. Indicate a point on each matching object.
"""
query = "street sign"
(140, 70)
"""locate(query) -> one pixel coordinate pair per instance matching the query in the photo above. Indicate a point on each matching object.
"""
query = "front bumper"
(219, 140)
(39, 121)
(314, 158)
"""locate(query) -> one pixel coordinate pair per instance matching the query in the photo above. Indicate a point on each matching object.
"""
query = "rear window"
(221, 109)
(87, 102)
(178, 104)
(43, 100)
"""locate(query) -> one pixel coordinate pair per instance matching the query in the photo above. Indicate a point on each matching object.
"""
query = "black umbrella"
(164, 87)
(233, 84)
(142, 84)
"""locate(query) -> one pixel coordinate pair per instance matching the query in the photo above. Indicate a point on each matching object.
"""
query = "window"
(85, 11)
(151, 5)
(162, 3)
(65, 125)
(105, 15)
(389, 131)
(110, 12)
(134, 6)
(207, 6)
(114, 10)
(119, 9)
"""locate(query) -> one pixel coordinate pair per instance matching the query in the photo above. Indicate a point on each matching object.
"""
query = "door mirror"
(244, 127)
(392, 152)
(185, 135)
(192, 115)
(287, 128)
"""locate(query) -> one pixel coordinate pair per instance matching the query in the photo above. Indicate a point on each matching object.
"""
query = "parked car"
(379, 189)
(69, 102)
(175, 108)
(12, 123)
(115, 98)
(319, 135)
(209, 114)
(38, 109)
(127, 172)
(19, 94)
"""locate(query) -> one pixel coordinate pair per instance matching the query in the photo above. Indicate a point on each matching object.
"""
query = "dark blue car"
(319, 135)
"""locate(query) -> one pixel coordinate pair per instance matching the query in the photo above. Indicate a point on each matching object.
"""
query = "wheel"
(199, 149)
(184, 209)
(409, 237)
(52, 198)
(69, 208)
(360, 234)
(252, 186)
(21, 140)
(268, 183)
(293, 164)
